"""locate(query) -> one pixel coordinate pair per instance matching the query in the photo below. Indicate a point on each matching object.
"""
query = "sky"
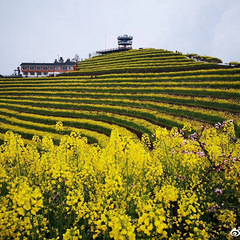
(42, 31)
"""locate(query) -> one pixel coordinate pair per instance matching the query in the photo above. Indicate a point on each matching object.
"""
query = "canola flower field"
(95, 99)
(185, 187)
(146, 146)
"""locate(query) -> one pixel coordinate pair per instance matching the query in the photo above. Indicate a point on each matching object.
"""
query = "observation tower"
(125, 41)
(124, 44)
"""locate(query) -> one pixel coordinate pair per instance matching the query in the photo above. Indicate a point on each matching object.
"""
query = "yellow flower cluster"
(180, 186)
(20, 211)
(59, 126)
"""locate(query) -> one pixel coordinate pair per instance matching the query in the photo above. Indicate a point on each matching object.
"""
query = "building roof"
(125, 37)
(49, 64)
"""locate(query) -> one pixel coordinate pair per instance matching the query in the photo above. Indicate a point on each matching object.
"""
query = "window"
(31, 68)
(38, 68)
(39, 73)
(58, 68)
(51, 68)
(32, 73)
(45, 73)
(70, 67)
(24, 68)
(45, 68)
(64, 68)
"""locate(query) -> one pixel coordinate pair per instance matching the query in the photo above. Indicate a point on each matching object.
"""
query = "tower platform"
(124, 44)
(113, 50)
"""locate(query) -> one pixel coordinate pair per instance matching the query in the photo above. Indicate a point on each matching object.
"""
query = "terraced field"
(134, 91)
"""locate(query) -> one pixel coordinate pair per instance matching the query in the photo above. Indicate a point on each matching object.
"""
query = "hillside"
(134, 91)
(170, 185)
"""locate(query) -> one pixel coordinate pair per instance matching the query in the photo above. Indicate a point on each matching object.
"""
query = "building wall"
(40, 74)
(45, 71)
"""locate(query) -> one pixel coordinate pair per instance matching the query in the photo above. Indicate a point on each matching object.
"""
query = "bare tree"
(76, 58)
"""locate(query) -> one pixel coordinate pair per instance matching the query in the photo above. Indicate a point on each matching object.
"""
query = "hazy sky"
(40, 30)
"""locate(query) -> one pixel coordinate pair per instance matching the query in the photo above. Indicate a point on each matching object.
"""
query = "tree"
(76, 58)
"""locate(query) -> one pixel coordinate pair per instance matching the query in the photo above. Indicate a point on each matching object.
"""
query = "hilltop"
(146, 61)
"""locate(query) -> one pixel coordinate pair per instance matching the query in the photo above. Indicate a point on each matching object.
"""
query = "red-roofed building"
(47, 69)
